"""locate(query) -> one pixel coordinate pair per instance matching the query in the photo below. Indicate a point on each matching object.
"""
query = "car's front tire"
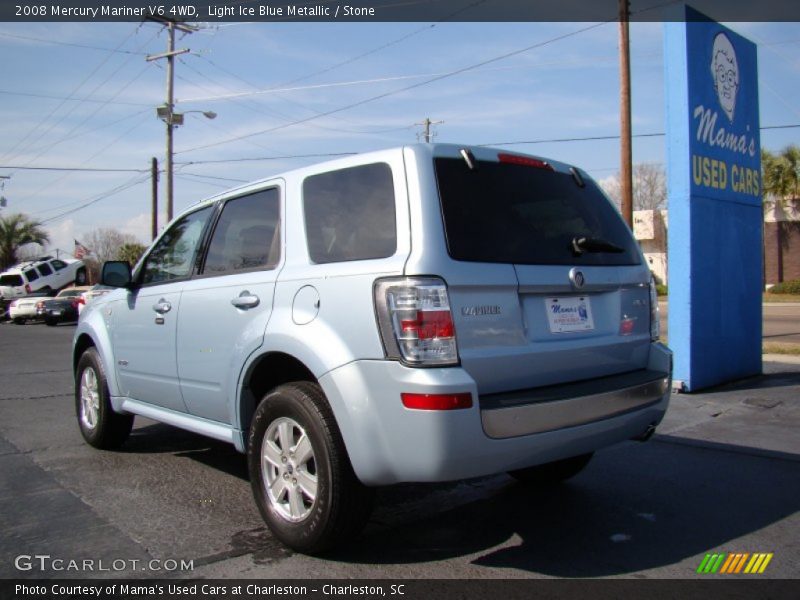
(553, 472)
(100, 426)
(302, 479)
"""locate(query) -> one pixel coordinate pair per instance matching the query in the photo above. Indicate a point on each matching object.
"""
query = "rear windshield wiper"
(594, 245)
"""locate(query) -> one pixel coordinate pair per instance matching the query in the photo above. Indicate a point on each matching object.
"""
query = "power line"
(335, 155)
(404, 89)
(104, 195)
(610, 137)
(60, 43)
(261, 158)
(77, 169)
(81, 100)
(72, 94)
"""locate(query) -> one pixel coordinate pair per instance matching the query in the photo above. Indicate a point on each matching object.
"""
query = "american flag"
(80, 250)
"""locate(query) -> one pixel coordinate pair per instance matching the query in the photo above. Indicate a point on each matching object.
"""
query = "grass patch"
(769, 297)
(777, 348)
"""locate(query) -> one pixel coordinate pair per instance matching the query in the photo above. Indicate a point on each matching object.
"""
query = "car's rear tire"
(19, 321)
(50, 321)
(100, 426)
(302, 479)
(553, 472)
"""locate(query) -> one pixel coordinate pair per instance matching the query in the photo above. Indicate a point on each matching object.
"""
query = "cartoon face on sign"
(725, 72)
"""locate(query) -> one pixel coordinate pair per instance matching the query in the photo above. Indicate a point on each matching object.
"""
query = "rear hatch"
(11, 286)
(547, 284)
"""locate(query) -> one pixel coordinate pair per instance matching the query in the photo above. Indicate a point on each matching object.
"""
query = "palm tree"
(15, 231)
(781, 183)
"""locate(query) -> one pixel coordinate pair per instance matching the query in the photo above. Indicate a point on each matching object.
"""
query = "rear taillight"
(28, 289)
(40, 305)
(75, 303)
(415, 321)
(655, 325)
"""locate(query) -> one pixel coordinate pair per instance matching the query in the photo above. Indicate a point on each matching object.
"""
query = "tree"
(131, 252)
(780, 176)
(16, 231)
(104, 244)
(649, 187)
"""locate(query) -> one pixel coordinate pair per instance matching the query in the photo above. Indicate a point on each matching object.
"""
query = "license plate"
(570, 314)
(57, 313)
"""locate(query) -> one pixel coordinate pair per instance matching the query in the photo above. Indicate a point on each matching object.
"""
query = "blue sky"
(65, 105)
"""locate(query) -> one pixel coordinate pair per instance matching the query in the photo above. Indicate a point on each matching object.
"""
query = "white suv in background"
(44, 274)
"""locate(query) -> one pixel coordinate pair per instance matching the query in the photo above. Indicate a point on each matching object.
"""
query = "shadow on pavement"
(165, 439)
(634, 508)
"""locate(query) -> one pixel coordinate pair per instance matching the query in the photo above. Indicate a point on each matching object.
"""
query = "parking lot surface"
(721, 475)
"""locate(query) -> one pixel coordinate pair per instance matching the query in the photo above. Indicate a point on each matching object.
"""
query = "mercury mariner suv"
(427, 313)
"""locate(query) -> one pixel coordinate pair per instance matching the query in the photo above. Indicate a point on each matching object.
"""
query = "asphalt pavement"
(722, 475)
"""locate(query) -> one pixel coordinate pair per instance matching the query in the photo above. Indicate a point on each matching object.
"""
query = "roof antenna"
(469, 159)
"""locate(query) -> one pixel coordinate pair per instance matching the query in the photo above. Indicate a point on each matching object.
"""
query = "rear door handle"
(162, 306)
(246, 300)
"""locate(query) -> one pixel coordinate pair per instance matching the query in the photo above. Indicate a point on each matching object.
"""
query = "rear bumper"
(389, 443)
(558, 407)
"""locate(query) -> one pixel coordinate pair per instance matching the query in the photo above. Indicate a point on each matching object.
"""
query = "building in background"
(781, 242)
(650, 230)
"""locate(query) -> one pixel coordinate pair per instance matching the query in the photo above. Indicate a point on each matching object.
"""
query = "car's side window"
(31, 275)
(173, 257)
(350, 214)
(45, 270)
(247, 235)
(58, 264)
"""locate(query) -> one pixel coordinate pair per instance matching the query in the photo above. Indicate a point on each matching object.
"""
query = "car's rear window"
(512, 213)
(12, 280)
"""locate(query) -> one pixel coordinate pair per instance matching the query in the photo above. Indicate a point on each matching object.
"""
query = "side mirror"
(116, 273)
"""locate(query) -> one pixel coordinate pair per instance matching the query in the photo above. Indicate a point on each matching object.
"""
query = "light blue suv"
(426, 313)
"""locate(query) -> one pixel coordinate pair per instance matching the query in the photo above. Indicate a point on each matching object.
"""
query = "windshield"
(511, 213)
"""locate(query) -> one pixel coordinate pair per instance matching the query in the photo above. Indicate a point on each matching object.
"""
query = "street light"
(166, 112)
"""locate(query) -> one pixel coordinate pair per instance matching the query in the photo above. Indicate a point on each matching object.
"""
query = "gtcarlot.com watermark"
(46, 562)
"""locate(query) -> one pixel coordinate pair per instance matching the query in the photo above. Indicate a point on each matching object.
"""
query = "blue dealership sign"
(715, 206)
(723, 96)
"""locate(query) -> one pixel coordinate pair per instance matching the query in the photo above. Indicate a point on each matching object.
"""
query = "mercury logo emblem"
(577, 278)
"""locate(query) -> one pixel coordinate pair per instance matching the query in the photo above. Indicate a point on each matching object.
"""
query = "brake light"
(437, 401)
(525, 161)
(415, 321)
(75, 303)
(28, 289)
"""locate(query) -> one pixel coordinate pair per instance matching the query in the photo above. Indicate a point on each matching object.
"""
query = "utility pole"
(154, 210)
(626, 154)
(427, 133)
(167, 111)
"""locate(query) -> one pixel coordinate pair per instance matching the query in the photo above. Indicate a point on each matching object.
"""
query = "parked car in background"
(91, 294)
(46, 274)
(22, 310)
(64, 308)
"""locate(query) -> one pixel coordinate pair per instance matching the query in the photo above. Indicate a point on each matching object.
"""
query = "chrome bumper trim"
(541, 417)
